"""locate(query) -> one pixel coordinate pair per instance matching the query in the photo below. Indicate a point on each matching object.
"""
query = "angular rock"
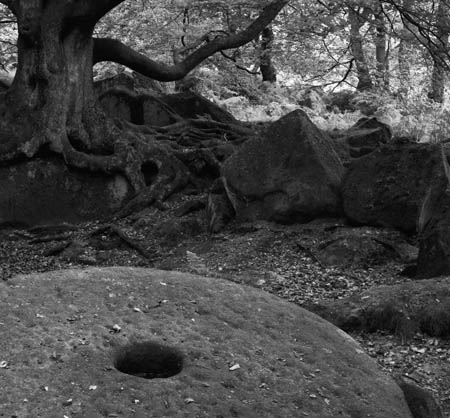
(219, 212)
(3, 85)
(343, 100)
(291, 173)
(403, 309)
(189, 207)
(172, 231)
(367, 133)
(123, 79)
(6, 79)
(434, 249)
(362, 138)
(186, 346)
(148, 109)
(155, 112)
(191, 105)
(135, 82)
(374, 123)
(46, 191)
(434, 237)
(363, 247)
(313, 97)
(121, 103)
(420, 401)
(140, 109)
(389, 186)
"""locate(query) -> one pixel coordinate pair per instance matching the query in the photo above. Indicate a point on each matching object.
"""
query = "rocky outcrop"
(143, 108)
(364, 247)
(362, 138)
(192, 105)
(3, 85)
(132, 81)
(402, 309)
(341, 101)
(434, 241)
(48, 191)
(421, 402)
(291, 173)
(390, 186)
(6, 79)
(138, 108)
(141, 342)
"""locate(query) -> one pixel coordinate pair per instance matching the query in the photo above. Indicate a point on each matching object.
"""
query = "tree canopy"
(312, 39)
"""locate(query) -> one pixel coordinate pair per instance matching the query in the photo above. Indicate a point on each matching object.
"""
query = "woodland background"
(343, 59)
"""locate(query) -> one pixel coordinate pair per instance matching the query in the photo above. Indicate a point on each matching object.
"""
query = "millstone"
(126, 342)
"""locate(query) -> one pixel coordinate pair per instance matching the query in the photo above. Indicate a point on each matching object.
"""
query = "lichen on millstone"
(234, 351)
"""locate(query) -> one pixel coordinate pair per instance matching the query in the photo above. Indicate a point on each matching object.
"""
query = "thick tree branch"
(113, 50)
(101, 7)
(87, 10)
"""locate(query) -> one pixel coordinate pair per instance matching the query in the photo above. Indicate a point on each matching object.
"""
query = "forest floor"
(274, 258)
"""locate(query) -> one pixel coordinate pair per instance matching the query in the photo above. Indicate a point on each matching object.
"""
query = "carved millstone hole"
(149, 360)
(149, 171)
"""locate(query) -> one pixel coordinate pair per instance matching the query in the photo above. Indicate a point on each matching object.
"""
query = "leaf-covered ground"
(279, 259)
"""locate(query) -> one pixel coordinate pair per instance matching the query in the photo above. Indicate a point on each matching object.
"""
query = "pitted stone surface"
(60, 329)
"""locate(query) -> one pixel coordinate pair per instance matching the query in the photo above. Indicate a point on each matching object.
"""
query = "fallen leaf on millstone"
(67, 402)
(116, 328)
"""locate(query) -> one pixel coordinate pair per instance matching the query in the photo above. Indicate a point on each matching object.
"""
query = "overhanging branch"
(101, 7)
(91, 11)
(113, 50)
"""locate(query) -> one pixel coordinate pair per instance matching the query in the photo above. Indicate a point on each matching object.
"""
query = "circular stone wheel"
(216, 349)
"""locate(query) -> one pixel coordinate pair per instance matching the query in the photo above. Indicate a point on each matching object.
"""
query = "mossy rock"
(403, 309)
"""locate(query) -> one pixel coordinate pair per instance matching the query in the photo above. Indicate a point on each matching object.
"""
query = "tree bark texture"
(381, 53)
(268, 71)
(405, 50)
(356, 46)
(439, 52)
(404, 75)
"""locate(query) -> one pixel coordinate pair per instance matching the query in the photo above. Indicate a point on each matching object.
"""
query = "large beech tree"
(51, 106)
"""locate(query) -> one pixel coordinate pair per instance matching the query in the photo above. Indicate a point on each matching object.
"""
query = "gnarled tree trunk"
(51, 108)
(51, 104)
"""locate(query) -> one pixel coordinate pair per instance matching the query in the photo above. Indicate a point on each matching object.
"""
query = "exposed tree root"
(193, 132)
(156, 161)
(124, 237)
